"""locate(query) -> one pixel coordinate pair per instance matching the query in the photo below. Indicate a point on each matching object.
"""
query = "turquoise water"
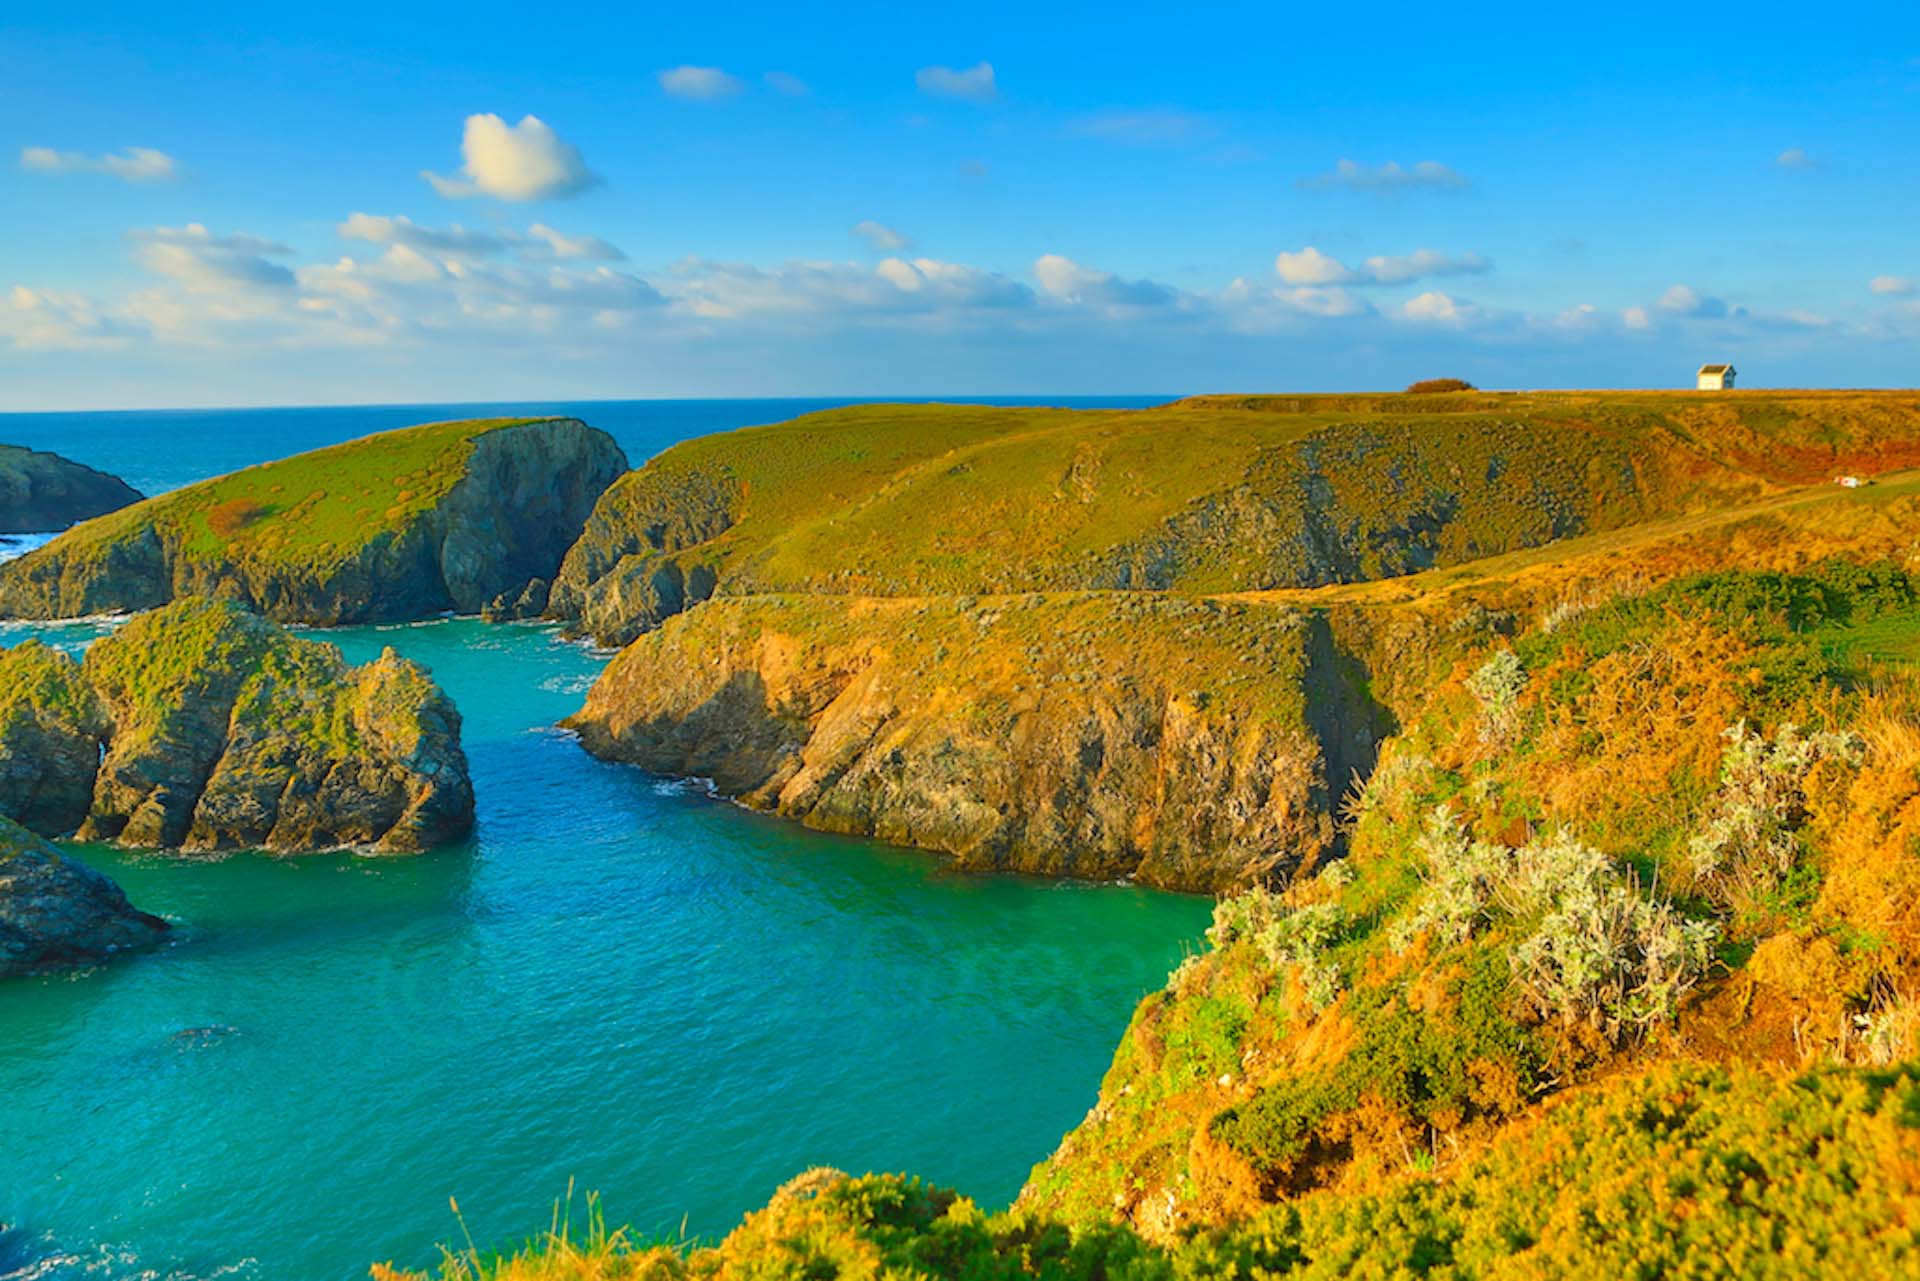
(619, 981)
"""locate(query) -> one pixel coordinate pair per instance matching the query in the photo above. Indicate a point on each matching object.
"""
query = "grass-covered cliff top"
(314, 509)
(1225, 493)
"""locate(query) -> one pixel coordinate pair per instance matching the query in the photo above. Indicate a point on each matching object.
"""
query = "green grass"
(1226, 494)
(312, 511)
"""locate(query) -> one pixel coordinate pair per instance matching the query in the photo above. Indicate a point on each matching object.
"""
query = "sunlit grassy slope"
(312, 510)
(1216, 493)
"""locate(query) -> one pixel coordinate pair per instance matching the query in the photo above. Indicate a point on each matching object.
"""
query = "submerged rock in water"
(56, 913)
(41, 491)
(397, 526)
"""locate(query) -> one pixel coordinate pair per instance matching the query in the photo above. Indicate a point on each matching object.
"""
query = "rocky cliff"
(1127, 735)
(41, 492)
(203, 727)
(56, 913)
(460, 517)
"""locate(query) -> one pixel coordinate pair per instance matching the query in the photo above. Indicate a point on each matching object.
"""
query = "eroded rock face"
(42, 492)
(56, 913)
(52, 726)
(521, 497)
(222, 731)
(1163, 740)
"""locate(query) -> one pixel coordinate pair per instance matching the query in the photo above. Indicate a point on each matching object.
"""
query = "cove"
(620, 982)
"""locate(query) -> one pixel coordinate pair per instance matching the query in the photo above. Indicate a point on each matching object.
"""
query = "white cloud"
(1435, 306)
(205, 263)
(1894, 286)
(1391, 176)
(784, 82)
(527, 161)
(699, 84)
(953, 284)
(1796, 158)
(1684, 300)
(39, 320)
(880, 237)
(582, 248)
(1636, 318)
(380, 229)
(540, 243)
(131, 164)
(1310, 266)
(894, 287)
(971, 84)
(1068, 281)
(1163, 127)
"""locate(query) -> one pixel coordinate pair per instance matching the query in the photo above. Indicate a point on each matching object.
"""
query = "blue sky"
(1051, 199)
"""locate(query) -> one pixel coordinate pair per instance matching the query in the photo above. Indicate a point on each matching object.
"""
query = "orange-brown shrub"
(1426, 385)
(229, 518)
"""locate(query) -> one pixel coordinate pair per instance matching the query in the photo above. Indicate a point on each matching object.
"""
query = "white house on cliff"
(1716, 377)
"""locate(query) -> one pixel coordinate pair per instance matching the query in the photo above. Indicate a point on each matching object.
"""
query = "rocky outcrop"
(1098, 736)
(627, 573)
(52, 726)
(56, 913)
(222, 731)
(404, 525)
(41, 492)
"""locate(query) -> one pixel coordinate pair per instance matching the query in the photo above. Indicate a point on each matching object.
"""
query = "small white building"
(1716, 377)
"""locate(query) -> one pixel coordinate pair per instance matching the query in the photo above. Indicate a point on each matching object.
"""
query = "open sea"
(619, 983)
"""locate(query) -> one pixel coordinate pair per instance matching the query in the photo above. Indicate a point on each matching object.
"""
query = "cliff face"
(403, 525)
(41, 492)
(56, 913)
(1089, 736)
(221, 731)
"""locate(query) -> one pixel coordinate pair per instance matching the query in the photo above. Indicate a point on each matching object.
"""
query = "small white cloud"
(1796, 158)
(131, 164)
(206, 263)
(1636, 318)
(1432, 306)
(1309, 266)
(1391, 176)
(527, 161)
(784, 82)
(699, 84)
(880, 237)
(1068, 281)
(1894, 286)
(399, 229)
(579, 248)
(1684, 300)
(971, 84)
(41, 320)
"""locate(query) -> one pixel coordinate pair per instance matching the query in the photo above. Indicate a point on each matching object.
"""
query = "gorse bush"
(1590, 946)
(1430, 385)
(1749, 841)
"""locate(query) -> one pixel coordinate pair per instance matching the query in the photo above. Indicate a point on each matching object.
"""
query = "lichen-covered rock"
(401, 525)
(56, 913)
(42, 492)
(52, 726)
(229, 733)
(1096, 736)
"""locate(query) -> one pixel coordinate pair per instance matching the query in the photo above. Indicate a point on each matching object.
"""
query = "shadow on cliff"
(1344, 716)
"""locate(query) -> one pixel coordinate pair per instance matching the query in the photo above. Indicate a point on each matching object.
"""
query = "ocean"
(620, 984)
